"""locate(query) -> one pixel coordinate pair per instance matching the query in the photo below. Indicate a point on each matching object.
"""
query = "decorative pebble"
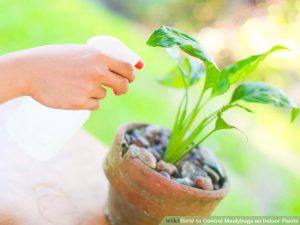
(139, 139)
(165, 174)
(128, 138)
(216, 186)
(167, 132)
(155, 153)
(156, 139)
(143, 154)
(190, 170)
(133, 151)
(197, 155)
(204, 183)
(207, 154)
(159, 151)
(214, 165)
(152, 130)
(213, 175)
(164, 142)
(147, 158)
(200, 168)
(176, 174)
(196, 162)
(167, 167)
(185, 181)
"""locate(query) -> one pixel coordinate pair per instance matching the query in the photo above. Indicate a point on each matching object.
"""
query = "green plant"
(187, 132)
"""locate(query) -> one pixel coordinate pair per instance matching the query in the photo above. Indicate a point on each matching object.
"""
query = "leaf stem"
(179, 134)
(193, 146)
(197, 131)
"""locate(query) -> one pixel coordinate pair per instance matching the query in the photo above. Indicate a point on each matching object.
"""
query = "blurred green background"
(265, 171)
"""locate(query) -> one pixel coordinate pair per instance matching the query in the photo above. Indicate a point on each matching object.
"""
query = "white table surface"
(69, 189)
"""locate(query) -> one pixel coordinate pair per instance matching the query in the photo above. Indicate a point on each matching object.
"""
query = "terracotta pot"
(139, 195)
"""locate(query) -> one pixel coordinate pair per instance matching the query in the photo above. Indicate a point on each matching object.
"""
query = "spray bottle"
(41, 131)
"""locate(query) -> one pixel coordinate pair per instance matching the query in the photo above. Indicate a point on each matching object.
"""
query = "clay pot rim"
(169, 184)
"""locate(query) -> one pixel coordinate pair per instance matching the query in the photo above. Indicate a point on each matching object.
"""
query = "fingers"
(98, 92)
(91, 104)
(118, 83)
(119, 67)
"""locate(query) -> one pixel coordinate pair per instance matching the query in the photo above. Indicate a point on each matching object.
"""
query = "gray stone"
(156, 139)
(185, 181)
(133, 151)
(196, 162)
(152, 130)
(147, 158)
(140, 140)
(159, 151)
(164, 142)
(165, 174)
(155, 154)
(207, 154)
(214, 165)
(216, 187)
(204, 183)
(191, 171)
(128, 138)
(167, 167)
(213, 175)
(209, 159)
(143, 154)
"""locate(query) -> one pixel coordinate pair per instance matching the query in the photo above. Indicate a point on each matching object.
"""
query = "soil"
(198, 169)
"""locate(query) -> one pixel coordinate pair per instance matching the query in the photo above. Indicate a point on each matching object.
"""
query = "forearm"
(12, 81)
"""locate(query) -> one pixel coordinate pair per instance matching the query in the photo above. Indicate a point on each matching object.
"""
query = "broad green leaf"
(220, 81)
(188, 74)
(168, 37)
(294, 113)
(244, 107)
(221, 124)
(173, 79)
(226, 107)
(195, 71)
(263, 93)
(175, 54)
(242, 68)
(214, 80)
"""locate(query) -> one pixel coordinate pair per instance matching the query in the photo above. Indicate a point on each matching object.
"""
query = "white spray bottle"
(41, 131)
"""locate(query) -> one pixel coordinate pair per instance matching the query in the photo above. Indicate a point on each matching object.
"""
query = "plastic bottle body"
(41, 131)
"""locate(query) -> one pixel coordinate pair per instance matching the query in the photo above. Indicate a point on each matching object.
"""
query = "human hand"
(69, 76)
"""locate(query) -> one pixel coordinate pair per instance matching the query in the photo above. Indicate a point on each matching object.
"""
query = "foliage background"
(265, 171)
